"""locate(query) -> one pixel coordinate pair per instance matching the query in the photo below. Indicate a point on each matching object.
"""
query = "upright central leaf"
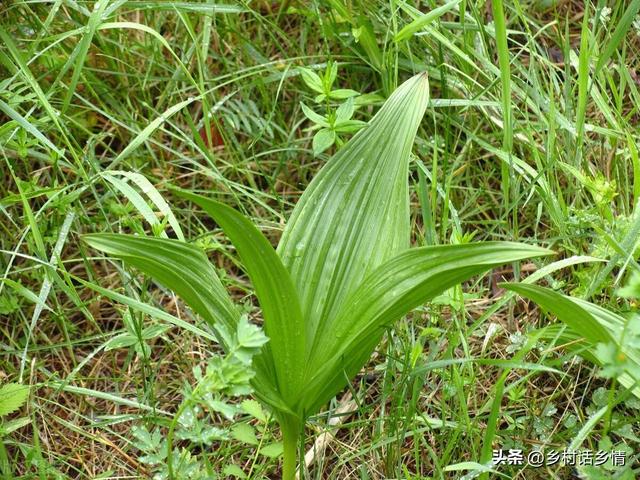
(355, 213)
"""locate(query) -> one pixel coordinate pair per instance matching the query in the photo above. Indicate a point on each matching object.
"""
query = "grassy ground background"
(530, 138)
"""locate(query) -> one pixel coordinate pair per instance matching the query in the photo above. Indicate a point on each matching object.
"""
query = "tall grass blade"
(154, 196)
(79, 54)
(28, 126)
(583, 81)
(419, 23)
(505, 81)
(619, 33)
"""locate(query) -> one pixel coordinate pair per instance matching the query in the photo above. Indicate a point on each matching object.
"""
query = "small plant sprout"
(343, 271)
(336, 121)
(323, 85)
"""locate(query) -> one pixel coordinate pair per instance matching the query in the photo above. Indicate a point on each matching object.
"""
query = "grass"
(208, 97)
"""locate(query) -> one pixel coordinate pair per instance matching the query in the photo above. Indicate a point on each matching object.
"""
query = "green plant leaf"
(618, 34)
(349, 126)
(153, 312)
(401, 284)
(124, 340)
(177, 265)
(567, 309)
(355, 213)
(313, 116)
(419, 23)
(323, 140)
(249, 340)
(273, 450)
(283, 321)
(366, 37)
(13, 425)
(254, 409)
(342, 274)
(590, 326)
(312, 79)
(81, 50)
(342, 93)
(232, 470)
(12, 397)
(154, 331)
(28, 126)
(330, 75)
(345, 111)
(244, 433)
(147, 131)
(147, 188)
(186, 270)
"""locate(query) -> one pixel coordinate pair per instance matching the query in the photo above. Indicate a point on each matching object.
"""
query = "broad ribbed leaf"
(567, 309)
(390, 292)
(276, 293)
(186, 270)
(589, 322)
(177, 265)
(355, 213)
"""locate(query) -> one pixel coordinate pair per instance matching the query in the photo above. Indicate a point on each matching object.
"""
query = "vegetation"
(419, 246)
